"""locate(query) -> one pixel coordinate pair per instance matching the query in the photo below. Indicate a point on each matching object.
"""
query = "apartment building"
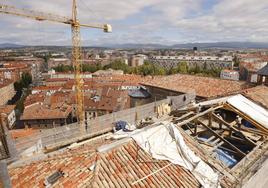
(208, 62)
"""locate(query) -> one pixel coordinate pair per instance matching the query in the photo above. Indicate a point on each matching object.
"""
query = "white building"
(230, 75)
(53, 74)
(7, 113)
(138, 60)
(202, 61)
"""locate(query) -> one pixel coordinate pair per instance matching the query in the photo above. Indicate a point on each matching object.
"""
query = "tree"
(63, 68)
(117, 65)
(236, 61)
(205, 66)
(26, 80)
(182, 67)
(91, 67)
(18, 86)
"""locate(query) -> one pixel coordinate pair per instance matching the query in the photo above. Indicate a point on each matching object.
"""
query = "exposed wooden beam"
(210, 119)
(198, 115)
(206, 155)
(252, 121)
(250, 130)
(223, 139)
(214, 116)
(184, 116)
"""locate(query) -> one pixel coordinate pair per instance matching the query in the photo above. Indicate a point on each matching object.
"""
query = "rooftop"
(22, 133)
(7, 109)
(40, 111)
(14, 66)
(46, 88)
(258, 94)
(252, 66)
(34, 98)
(57, 80)
(4, 83)
(231, 71)
(263, 71)
(123, 166)
(203, 86)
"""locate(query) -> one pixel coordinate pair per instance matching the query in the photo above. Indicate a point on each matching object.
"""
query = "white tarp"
(165, 142)
(249, 108)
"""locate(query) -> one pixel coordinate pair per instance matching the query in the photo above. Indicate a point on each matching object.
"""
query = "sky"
(165, 22)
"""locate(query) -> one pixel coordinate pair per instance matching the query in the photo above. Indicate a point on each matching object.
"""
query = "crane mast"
(76, 44)
(77, 65)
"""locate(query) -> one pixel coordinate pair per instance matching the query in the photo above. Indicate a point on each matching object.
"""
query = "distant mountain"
(136, 46)
(10, 45)
(231, 45)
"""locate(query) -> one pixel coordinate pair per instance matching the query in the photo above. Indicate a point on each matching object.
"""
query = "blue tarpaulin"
(121, 125)
(224, 157)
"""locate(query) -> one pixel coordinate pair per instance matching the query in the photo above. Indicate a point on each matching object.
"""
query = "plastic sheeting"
(249, 108)
(165, 142)
(226, 158)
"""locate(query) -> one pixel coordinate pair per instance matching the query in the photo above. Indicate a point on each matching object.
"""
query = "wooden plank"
(210, 138)
(207, 157)
(215, 141)
(198, 115)
(225, 141)
(256, 124)
(184, 116)
(232, 128)
(250, 130)
(259, 179)
(218, 145)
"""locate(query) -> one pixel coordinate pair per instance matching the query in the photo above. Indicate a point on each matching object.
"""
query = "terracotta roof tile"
(7, 109)
(40, 111)
(203, 86)
(258, 94)
(123, 166)
(22, 133)
(46, 88)
(34, 98)
(57, 80)
(74, 163)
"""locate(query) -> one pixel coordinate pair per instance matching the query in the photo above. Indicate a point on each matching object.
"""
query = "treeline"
(146, 69)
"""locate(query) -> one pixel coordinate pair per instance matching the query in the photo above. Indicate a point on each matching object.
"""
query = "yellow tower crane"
(76, 43)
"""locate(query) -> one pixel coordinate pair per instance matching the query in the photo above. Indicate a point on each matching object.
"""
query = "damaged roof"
(120, 166)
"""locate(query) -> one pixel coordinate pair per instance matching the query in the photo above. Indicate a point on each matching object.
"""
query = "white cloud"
(158, 21)
(239, 20)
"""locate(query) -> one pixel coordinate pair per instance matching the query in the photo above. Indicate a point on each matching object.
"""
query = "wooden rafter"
(252, 121)
(214, 116)
(198, 115)
(223, 139)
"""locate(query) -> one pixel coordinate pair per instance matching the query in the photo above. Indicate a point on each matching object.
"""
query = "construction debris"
(163, 109)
